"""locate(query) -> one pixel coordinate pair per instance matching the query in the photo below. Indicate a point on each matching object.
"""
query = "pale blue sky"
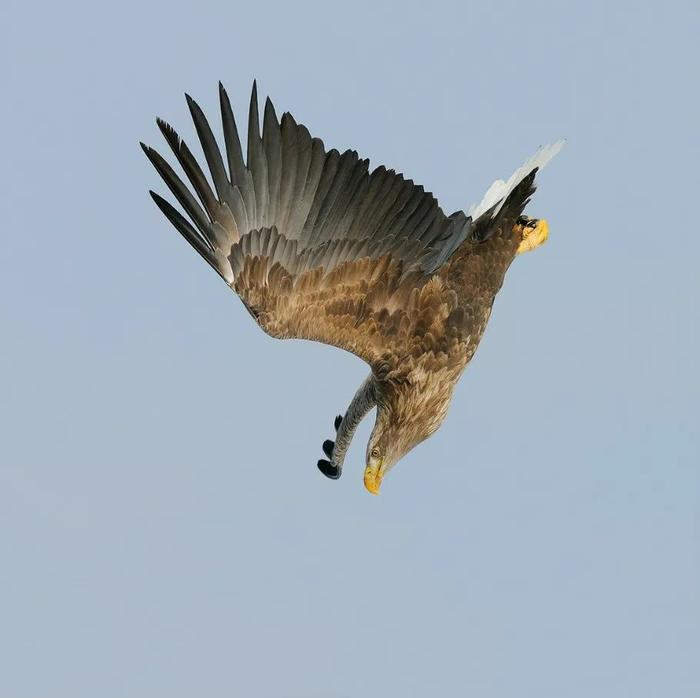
(163, 528)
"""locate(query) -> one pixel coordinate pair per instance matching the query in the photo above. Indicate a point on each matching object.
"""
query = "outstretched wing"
(316, 246)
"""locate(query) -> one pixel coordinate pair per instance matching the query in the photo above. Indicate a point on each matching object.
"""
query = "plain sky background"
(164, 530)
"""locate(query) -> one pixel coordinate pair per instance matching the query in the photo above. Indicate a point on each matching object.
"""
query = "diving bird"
(318, 247)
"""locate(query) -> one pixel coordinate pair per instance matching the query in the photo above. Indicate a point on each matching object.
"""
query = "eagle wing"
(316, 245)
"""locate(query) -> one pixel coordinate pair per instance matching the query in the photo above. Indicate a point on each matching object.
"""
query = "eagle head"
(407, 414)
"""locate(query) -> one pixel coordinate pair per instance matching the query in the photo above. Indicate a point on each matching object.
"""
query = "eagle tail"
(501, 192)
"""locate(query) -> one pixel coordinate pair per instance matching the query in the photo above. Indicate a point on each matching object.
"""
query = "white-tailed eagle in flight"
(318, 247)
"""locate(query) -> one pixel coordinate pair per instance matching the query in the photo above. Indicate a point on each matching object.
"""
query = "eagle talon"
(330, 471)
(327, 447)
(533, 233)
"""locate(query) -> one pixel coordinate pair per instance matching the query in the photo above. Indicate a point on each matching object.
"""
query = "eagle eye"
(375, 453)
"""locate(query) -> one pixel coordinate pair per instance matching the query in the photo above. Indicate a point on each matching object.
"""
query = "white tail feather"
(499, 190)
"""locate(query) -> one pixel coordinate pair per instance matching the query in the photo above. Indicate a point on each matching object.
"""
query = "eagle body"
(318, 247)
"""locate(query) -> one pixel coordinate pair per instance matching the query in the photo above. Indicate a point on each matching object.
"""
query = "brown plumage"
(319, 248)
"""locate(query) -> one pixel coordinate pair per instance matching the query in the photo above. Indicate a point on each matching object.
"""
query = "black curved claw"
(328, 447)
(337, 422)
(328, 470)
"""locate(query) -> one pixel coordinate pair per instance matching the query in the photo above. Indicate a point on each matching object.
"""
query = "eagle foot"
(331, 471)
(328, 470)
(533, 233)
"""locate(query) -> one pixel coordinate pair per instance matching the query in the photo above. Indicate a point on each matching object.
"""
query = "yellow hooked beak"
(373, 476)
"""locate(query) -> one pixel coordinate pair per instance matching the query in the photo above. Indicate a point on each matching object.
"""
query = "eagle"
(319, 247)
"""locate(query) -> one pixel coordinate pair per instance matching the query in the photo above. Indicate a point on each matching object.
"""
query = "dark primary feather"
(181, 192)
(211, 150)
(184, 228)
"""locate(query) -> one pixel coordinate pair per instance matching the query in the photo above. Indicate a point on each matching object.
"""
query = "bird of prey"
(319, 247)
